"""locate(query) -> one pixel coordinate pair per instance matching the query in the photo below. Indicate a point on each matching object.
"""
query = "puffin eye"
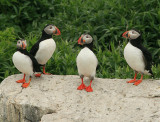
(133, 32)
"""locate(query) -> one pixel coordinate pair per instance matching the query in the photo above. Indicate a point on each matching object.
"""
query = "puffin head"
(52, 30)
(85, 39)
(21, 44)
(131, 34)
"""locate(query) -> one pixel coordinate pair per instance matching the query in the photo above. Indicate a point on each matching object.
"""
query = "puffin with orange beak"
(45, 47)
(25, 62)
(137, 57)
(86, 61)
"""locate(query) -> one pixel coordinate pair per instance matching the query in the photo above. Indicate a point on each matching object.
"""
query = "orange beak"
(125, 34)
(57, 32)
(80, 41)
(23, 45)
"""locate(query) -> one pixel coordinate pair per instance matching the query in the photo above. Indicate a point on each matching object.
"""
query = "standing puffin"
(25, 62)
(45, 47)
(137, 57)
(86, 61)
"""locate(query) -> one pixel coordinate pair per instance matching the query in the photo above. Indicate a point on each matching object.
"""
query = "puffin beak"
(81, 41)
(126, 34)
(23, 45)
(57, 31)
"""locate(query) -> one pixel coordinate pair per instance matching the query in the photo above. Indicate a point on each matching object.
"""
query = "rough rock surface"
(55, 99)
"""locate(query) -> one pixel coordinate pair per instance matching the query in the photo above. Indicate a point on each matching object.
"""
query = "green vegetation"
(105, 20)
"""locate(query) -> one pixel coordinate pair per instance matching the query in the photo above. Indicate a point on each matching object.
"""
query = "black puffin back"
(146, 54)
(36, 66)
(90, 45)
(35, 47)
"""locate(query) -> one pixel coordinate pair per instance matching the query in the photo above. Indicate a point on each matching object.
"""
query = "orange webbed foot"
(21, 81)
(137, 82)
(47, 73)
(25, 85)
(89, 89)
(81, 87)
(131, 81)
(37, 75)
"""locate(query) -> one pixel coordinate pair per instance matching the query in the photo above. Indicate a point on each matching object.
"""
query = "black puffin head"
(21, 44)
(51, 30)
(132, 34)
(85, 39)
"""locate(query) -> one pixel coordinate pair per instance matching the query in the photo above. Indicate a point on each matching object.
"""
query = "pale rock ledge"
(55, 98)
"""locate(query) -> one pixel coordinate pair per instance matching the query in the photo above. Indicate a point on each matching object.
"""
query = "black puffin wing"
(34, 49)
(36, 66)
(147, 57)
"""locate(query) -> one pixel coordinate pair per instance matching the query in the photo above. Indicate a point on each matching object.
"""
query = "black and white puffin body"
(137, 57)
(21, 60)
(45, 51)
(45, 47)
(24, 62)
(86, 61)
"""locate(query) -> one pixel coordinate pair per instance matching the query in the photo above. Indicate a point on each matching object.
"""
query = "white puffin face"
(21, 44)
(52, 30)
(88, 39)
(85, 39)
(133, 34)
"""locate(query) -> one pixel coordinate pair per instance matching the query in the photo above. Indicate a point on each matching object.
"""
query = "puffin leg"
(25, 85)
(82, 86)
(37, 75)
(22, 80)
(134, 80)
(89, 88)
(44, 72)
(139, 81)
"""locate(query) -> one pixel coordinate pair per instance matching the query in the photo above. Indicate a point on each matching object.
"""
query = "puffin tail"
(151, 73)
(39, 69)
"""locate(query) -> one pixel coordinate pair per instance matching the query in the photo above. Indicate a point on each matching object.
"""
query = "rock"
(55, 98)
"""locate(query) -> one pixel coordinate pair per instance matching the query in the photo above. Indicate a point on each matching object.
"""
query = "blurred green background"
(105, 20)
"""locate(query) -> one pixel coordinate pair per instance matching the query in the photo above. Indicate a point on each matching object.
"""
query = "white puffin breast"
(45, 51)
(134, 58)
(86, 62)
(23, 63)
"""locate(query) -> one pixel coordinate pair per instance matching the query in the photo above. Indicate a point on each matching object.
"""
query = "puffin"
(25, 62)
(44, 48)
(137, 56)
(86, 61)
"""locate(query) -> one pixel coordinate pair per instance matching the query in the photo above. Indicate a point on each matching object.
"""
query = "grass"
(104, 20)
